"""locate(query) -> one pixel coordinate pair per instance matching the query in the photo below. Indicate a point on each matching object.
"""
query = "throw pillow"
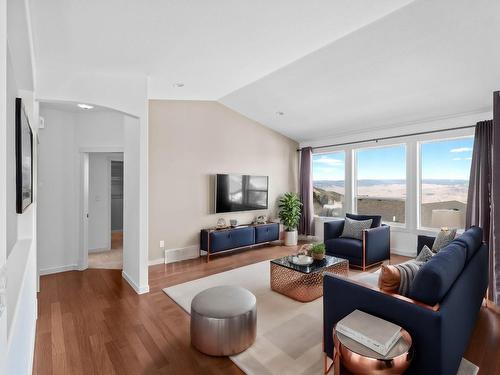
(399, 278)
(425, 254)
(354, 228)
(443, 238)
(389, 279)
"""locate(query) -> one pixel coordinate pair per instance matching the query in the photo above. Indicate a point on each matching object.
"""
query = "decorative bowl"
(301, 260)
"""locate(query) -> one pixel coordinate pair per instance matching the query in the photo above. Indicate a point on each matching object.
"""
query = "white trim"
(154, 262)
(404, 253)
(137, 289)
(103, 149)
(58, 269)
(177, 255)
(181, 253)
(98, 250)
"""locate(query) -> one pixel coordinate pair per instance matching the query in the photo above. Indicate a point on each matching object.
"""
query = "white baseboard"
(138, 289)
(406, 253)
(98, 250)
(178, 254)
(154, 262)
(51, 270)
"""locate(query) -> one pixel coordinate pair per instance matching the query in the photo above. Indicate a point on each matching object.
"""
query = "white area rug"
(289, 333)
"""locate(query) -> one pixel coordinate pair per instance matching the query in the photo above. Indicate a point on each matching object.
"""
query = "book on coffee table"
(375, 333)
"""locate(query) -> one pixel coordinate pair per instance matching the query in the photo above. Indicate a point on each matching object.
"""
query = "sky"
(449, 159)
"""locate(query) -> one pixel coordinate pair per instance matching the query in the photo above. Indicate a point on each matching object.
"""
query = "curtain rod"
(391, 137)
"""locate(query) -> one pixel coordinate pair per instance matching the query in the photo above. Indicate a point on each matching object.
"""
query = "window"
(381, 182)
(445, 168)
(328, 184)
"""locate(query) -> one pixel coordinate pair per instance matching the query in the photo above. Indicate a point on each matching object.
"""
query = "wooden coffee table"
(304, 283)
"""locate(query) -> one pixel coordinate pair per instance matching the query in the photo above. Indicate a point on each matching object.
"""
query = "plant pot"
(291, 238)
(318, 256)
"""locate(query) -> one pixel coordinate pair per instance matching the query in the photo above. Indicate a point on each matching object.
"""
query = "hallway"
(109, 259)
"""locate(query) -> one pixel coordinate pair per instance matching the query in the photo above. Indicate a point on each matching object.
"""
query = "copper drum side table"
(304, 283)
(358, 359)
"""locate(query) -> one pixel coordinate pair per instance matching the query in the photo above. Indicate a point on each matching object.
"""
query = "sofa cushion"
(376, 219)
(472, 239)
(344, 246)
(438, 274)
(443, 238)
(425, 254)
(355, 228)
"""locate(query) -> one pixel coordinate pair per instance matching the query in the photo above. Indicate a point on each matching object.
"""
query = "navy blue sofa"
(441, 310)
(372, 250)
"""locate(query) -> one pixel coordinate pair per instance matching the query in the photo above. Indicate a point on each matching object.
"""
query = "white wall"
(403, 238)
(18, 232)
(65, 135)
(99, 227)
(3, 174)
(125, 93)
(12, 93)
(132, 260)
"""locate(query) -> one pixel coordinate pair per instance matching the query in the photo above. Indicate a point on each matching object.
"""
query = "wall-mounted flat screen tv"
(235, 192)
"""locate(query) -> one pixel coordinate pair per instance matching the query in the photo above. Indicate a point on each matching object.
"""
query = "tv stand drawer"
(267, 233)
(229, 239)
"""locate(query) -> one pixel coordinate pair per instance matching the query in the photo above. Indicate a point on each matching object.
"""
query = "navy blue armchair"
(372, 250)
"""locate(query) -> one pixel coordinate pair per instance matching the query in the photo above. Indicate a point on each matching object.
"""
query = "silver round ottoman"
(223, 320)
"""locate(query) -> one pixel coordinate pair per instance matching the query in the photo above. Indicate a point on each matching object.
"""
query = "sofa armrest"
(342, 296)
(377, 244)
(424, 240)
(333, 229)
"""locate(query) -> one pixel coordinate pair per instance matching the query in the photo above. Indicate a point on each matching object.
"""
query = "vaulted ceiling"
(328, 66)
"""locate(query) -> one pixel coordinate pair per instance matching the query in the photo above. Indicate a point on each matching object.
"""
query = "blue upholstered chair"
(373, 249)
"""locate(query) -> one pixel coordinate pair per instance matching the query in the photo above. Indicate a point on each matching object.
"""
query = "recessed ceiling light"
(85, 106)
(178, 84)
(279, 113)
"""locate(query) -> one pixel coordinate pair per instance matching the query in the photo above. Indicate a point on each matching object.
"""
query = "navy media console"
(218, 240)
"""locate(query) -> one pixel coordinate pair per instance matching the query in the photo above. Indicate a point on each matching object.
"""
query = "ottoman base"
(223, 336)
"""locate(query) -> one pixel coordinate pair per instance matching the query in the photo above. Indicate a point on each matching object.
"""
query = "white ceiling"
(428, 60)
(72, 107)
(330, 66)
(213, 47)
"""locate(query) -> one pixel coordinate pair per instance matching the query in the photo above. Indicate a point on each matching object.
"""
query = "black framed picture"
(24, 159)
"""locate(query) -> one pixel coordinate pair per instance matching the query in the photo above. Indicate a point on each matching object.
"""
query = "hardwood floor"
(92, 322)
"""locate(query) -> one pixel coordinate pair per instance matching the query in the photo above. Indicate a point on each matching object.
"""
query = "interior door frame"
(109, 176)
(83, 211)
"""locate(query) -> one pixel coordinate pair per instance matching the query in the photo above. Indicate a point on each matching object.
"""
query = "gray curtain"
(494, 286)
(483, 203)
(306, 192)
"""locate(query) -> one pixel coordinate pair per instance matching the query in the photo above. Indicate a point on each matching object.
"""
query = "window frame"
(420, 142)
(354, 195)
(329, 152)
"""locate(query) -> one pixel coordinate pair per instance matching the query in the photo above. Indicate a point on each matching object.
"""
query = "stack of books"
(374, 333)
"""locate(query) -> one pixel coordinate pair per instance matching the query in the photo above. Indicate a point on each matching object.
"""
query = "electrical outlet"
(162, 244)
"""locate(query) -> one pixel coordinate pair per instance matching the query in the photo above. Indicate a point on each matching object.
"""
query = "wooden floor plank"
(92, 322)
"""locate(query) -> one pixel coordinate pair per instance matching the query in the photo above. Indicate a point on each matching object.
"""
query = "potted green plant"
(289, 213)
(317, 251)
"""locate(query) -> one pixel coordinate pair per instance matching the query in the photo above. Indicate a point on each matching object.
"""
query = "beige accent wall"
(189, 142)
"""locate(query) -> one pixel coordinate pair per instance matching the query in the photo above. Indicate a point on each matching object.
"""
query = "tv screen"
(235, 192)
